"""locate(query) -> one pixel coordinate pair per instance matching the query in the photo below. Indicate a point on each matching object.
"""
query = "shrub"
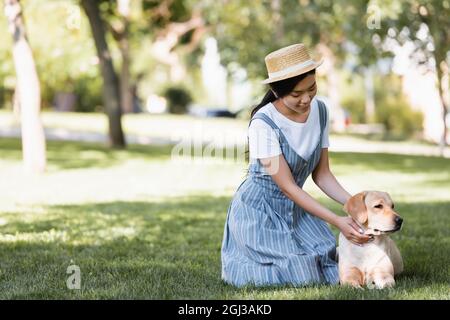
(391, 108)
(178, 99)
(87, 89)
(398, 117)
(355, 105)
(89, 94)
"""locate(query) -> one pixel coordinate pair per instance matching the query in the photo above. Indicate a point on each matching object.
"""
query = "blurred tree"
(247, 32)
(340, 30)
(427, 25)
(170, 30)
(27, 91)
(393, 109)
(363, 33)
(177, 26)
(111, 93)
(65, 58)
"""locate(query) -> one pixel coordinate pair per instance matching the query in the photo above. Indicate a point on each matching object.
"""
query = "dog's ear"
(356, 207)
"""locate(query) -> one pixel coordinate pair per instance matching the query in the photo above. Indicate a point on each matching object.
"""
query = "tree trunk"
(29, 95)
(332, 78)
(370, 95)
(125, 76)
(277, 19)
(443, 82)
(111, 94)
(441, 40)
(229, 95)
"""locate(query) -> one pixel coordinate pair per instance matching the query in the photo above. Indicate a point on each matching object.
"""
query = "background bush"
(398, 117)
(178, 99)
(391, 108)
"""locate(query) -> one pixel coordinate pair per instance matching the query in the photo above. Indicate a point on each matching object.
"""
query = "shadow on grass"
(74, 155)
(171, 250)
(63, 155)
(124, 250)
(71, 155)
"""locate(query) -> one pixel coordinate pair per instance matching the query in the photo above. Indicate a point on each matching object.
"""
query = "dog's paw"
(351, 284)
(381, 282)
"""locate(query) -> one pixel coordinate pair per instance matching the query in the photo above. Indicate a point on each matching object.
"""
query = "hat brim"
(293, 74)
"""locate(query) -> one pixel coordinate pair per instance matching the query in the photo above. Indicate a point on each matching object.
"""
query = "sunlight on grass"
(45, 237)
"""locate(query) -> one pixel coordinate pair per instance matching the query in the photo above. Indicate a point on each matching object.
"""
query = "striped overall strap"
(270, 122)
(322, 117)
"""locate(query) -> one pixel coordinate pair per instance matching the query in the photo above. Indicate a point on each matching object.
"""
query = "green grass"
(140, 225)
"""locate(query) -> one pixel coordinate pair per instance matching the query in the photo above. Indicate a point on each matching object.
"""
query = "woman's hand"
(351, 230)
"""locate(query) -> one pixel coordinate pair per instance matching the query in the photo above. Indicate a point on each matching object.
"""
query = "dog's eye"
(379, 206)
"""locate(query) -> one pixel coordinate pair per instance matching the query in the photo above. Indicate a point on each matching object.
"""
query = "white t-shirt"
(302, 137)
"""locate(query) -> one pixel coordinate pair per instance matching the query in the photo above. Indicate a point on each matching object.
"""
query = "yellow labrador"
(374, 263)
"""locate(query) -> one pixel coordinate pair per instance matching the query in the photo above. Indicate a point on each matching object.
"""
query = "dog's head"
(374, 210)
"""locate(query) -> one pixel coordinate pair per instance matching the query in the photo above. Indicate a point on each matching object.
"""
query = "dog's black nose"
(398, 220)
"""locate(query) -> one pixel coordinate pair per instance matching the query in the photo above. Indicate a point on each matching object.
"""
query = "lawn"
(141, 225)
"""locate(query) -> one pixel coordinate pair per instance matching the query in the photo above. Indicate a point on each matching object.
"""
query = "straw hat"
(289, 62)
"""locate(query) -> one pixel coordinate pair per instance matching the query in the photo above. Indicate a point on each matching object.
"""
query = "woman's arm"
(326, 181)
(280, 172)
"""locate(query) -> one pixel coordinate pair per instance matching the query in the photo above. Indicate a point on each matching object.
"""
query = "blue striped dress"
(268, 239)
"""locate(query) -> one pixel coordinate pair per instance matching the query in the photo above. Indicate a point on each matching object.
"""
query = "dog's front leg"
(395, 256)
(352, 277)
(380, 279)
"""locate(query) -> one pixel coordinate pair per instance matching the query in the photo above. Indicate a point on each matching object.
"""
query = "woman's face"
(299, 99)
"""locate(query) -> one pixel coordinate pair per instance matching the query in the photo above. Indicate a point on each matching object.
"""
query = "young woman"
(275, 232)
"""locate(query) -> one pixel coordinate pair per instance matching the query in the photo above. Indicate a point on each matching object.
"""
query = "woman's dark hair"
(281, 88)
